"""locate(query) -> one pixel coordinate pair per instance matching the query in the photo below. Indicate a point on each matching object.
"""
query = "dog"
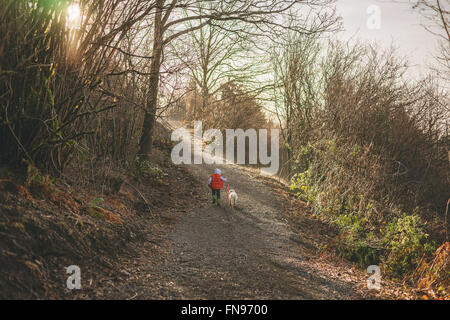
(232, 198)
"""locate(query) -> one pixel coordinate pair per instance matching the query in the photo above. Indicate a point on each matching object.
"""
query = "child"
(215, 182)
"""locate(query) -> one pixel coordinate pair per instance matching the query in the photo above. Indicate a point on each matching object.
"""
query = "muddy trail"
(253, 252)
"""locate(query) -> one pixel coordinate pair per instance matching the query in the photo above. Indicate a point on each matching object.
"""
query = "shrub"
(371, 156)
(145, 169)
(359, 251)
(406, 242)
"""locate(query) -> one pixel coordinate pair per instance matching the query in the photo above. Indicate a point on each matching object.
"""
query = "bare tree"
(170, 18)
(295, 65)
(437, 14)
(52, 64)
(215, 55)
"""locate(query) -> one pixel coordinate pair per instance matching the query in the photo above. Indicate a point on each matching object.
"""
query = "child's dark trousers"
(216, 195)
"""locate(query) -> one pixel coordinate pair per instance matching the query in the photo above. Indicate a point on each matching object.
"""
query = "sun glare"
(73, 13)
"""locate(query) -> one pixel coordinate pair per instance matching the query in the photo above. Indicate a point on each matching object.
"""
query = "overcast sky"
(399, 25)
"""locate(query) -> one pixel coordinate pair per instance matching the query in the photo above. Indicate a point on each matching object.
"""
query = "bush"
(145, 169)
(407, 243)
(371, 157)
(55, 82)
(33, 114)
(359, 251)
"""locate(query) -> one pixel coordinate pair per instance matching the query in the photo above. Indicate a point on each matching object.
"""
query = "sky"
(399, 25)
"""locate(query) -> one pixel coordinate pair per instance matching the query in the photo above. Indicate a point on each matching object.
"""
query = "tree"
(170, 18)
(215, 55)
(52, 63)
(238, 109)
(437, 14)
(296, 77)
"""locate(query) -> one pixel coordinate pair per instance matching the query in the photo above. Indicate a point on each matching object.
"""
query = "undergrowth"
(372, 231)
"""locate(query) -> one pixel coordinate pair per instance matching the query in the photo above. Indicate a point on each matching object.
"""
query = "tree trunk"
(146, 142)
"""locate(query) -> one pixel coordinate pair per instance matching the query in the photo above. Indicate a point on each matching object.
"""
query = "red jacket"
(216, 181)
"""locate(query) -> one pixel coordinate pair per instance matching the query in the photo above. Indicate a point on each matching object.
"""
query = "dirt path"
(251, 253)
(265, 249)
(248, 253)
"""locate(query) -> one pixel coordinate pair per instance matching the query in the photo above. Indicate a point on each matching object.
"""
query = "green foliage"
(302, 183)
(34, 177)
(406, 242)
(94, 203)
(95, 213)
(364, 160)
(398, 241)
(351, 223)
(356, 149)
(359, 251)
(359, 244)
(145, 169)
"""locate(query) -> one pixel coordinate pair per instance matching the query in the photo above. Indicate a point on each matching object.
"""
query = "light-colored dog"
(232, 198)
